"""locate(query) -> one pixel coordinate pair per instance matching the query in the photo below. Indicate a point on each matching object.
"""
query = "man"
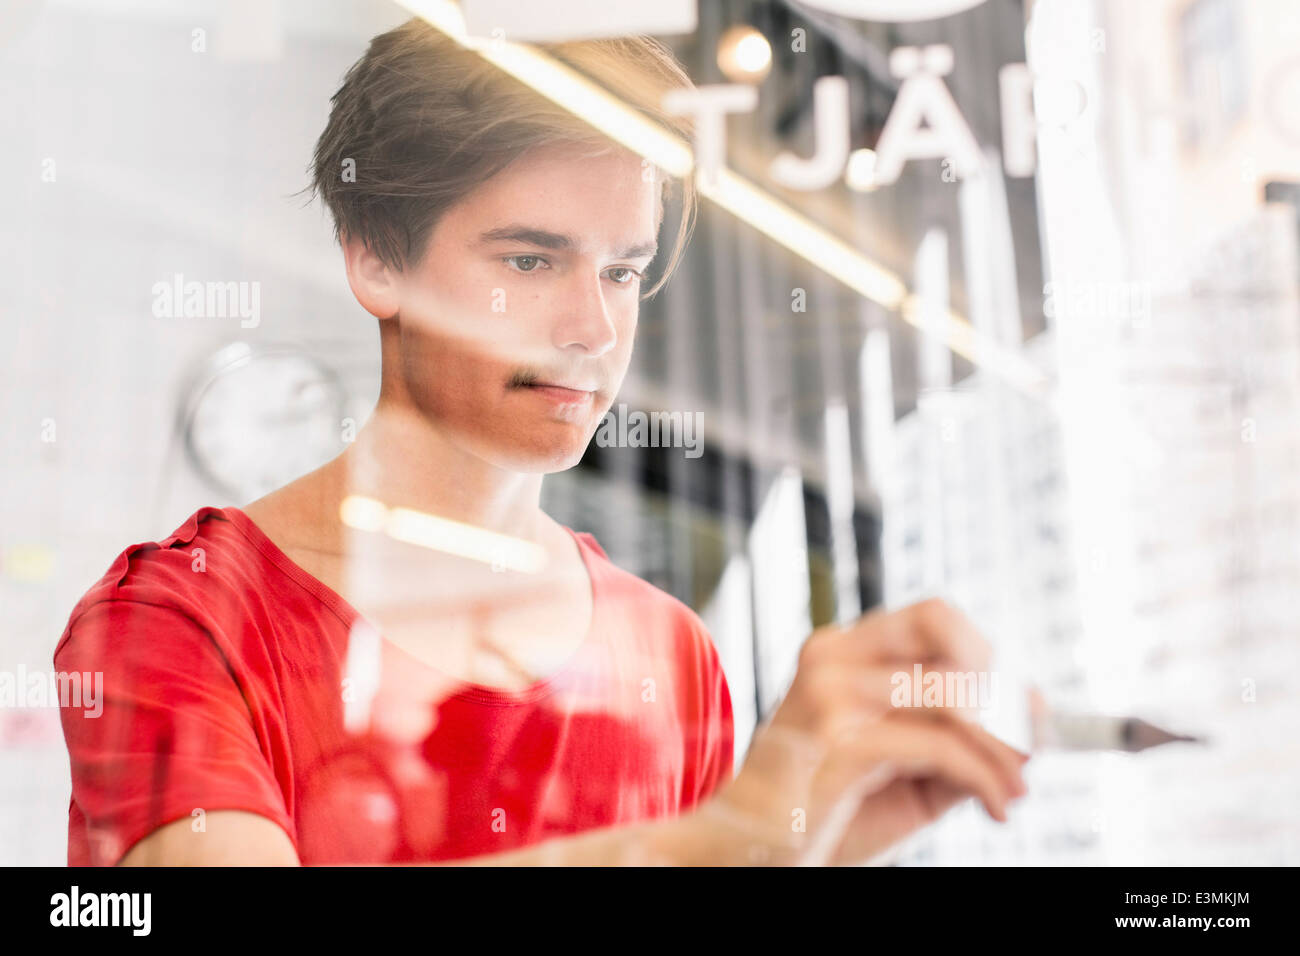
(400, 657)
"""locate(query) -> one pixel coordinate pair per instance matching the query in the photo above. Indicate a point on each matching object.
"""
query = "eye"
(626, 276)
(525, 263)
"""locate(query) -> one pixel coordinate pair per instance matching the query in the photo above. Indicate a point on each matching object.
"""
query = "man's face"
(517, 325)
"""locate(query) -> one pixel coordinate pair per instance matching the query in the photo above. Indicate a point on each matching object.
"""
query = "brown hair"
(426, 120)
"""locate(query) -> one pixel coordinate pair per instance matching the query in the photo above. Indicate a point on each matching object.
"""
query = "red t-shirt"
(235, 680)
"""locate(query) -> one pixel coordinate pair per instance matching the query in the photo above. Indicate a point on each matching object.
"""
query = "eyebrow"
(545, 239)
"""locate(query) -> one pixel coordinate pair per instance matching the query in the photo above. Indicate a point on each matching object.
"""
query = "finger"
(935, 631)
(1002, 759)
(861, 695)
(1009, 761)
(931, 632)
(868, 692)
(939, 796)
(919, 747)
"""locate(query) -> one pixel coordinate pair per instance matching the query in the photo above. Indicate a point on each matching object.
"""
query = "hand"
(840, 773)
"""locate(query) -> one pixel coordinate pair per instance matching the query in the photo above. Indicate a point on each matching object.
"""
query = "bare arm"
(237, 838)
(229, 838)
(836, 776)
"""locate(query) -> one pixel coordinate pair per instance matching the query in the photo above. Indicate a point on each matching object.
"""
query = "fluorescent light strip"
(801, 235)
(580, 96)
(442, 534)
(565, 87)
(960, 336)
(743, 199)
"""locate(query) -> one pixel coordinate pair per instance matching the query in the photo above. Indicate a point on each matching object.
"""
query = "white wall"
(165, 160)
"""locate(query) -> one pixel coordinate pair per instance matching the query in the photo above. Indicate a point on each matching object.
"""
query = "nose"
(585, 323)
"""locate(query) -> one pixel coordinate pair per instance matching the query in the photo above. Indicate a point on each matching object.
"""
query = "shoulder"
(650, 607)
(175, 575)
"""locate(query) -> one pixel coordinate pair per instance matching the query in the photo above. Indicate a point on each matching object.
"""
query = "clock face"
(257, 419)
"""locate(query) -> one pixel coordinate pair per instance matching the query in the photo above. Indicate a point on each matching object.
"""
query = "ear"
(374, 283)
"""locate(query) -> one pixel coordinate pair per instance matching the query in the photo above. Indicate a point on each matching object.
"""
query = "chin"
(531, 456)
(540, 463)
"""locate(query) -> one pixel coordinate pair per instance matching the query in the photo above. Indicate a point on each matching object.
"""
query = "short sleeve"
(711, 724)
(718, 768)
(166, 731)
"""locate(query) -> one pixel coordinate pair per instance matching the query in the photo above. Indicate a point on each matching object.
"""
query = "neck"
(403, 460)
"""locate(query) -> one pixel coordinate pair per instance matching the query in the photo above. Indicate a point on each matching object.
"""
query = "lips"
(568, 388)
(561, 393)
